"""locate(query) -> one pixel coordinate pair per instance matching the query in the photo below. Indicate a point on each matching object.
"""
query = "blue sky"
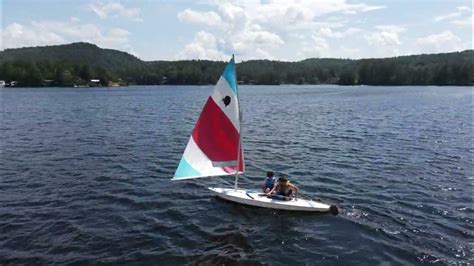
(287, 30)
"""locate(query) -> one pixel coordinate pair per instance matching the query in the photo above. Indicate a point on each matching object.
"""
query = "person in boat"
(269, 182)
(283, 190)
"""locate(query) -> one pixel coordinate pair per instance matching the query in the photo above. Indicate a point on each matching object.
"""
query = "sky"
(287, 30)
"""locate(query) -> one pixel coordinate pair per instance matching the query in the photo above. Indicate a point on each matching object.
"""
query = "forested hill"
(78, 53)
(78, 63)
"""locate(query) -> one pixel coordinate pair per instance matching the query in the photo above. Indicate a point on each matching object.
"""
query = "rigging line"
(226, 182)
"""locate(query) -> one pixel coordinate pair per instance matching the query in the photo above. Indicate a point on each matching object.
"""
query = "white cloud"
(466, 22)
(385, 40)
(59, 32)
(461, 17)
(253, 42)
(115, 10)
(330, 33)
(447, 16)
(251, 38)
(256, 29)
(445, 41)
(386, 35)
(391, 28)
(290, 16)
(18, 35)
(463, 8)
(358, 8)
(294, 13)
(1, 27)
(210, 18)
(321, 47)
(204, 46)
(317, 47)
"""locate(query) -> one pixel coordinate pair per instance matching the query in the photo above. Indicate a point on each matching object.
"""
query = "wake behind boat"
(215, 149)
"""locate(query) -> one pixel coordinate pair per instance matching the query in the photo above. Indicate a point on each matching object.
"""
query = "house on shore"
(95, 83)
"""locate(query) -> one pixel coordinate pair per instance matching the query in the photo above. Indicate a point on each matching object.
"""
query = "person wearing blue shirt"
(269, 182)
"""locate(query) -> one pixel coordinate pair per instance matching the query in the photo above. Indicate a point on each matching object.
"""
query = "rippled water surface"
(85, 176)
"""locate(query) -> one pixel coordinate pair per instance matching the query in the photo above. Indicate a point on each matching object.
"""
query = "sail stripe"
(185, 170)
(229, 75)
(199, 161)
(221, 91)
(232, 169)
(215, 134)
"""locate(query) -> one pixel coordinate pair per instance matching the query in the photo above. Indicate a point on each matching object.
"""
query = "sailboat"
(215, 149)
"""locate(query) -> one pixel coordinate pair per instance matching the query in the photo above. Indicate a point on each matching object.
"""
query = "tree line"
(53, 73)
(78, 63)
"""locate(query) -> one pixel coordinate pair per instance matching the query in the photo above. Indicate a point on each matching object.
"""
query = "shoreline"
(210, 85)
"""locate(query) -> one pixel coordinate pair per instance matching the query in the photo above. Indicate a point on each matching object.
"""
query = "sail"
(214, 148)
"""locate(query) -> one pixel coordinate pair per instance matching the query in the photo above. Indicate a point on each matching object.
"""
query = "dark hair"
(270, 174)
(282, 179)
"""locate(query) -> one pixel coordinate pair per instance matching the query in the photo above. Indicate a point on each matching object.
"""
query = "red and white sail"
(214, 148)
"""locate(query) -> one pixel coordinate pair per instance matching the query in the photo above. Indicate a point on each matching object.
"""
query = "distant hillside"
(78, 63)
(79, 53)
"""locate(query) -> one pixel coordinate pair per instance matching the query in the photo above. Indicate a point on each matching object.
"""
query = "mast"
(240, 126)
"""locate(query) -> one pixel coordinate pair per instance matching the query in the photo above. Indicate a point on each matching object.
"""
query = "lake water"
(85, 177)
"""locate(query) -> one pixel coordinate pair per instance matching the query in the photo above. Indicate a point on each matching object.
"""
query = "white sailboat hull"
(255, 198)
